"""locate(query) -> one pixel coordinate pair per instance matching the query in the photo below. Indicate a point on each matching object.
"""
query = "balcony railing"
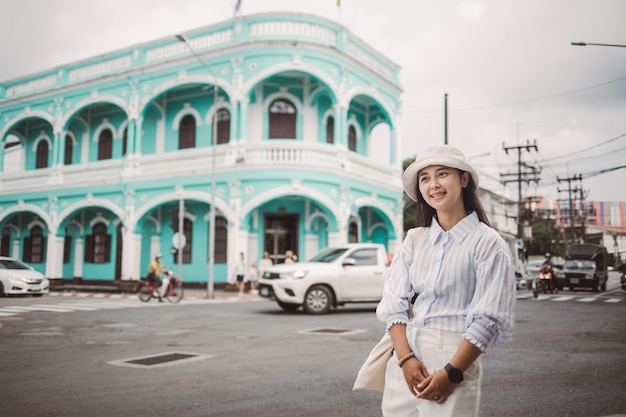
(193, 162)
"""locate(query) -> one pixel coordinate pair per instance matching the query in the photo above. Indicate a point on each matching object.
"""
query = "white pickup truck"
(350, 273)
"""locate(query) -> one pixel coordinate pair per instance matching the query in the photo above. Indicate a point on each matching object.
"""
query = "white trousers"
(436, 348)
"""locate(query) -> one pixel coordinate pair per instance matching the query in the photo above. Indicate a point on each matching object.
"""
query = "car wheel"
(288, 306)
(318, 300)
(2, 294)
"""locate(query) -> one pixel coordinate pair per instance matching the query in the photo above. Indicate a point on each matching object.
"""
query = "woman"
(460, 269)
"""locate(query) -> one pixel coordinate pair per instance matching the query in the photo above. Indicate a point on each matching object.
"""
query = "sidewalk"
(191, 293)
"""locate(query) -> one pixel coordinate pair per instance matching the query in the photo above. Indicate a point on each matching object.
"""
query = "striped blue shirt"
(464, 278)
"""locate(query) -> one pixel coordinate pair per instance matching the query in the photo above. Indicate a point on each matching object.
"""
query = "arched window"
(330, 130)
(188, 232)
(98, 245)
(42, 155)
(223, 126)
(34, 246)
(352, 139)
(221, 240)
(353, 233)
(282, 120)
(5, 244)
(187, 133)
(69, 148)
(105, 145)
(125, 141)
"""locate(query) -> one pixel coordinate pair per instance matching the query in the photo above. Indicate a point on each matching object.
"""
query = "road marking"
(6, 314)
(587, 299)
(613, 300)
(563, 298)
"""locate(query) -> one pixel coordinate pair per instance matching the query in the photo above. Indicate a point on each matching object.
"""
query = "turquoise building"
(287, 125)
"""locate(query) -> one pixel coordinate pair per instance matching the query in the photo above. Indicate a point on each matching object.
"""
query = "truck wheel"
(288, 306)
(318, 300)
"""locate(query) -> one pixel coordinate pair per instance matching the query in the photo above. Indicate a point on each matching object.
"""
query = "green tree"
(545, 239)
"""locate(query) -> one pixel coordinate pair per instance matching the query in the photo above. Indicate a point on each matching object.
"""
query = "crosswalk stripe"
(563, 298)
(587, 299)
(613, 300)
(5, 314)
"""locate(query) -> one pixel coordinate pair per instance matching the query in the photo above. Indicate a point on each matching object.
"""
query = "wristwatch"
(454, 374)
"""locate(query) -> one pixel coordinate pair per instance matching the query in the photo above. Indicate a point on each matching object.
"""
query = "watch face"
(455, 375)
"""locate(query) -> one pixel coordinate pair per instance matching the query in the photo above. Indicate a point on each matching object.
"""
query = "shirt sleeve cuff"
(481, 333)
(396, 319)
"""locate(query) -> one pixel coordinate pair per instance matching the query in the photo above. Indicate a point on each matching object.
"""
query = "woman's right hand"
(414, 373)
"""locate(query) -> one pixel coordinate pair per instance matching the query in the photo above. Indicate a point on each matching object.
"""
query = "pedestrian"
(460, 269)
(265, 263)
(290, 257)
(240, 270)
(253, 277)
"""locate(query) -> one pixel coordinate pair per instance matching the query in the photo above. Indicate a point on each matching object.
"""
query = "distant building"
(300, 116)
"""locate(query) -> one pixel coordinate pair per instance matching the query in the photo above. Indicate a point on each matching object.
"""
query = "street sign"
(179, 240)
(519, 244)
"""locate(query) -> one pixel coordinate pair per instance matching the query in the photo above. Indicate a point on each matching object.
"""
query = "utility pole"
(571, 190)
(445, 119)
(525, 173)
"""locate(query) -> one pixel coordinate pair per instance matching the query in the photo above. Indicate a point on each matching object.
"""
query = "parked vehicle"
(18, 278)
(351, 273)
(586, 265)
(146, 290)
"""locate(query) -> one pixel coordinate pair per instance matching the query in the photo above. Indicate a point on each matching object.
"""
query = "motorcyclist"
(154, 273)
(547, 268)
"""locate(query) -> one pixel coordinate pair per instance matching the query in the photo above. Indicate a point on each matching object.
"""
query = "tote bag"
(371, 376)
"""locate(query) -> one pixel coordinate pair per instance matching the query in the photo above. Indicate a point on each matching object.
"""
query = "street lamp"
(597, 44)
(210, 277)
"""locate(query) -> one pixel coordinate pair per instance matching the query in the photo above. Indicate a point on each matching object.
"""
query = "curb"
(196, 295)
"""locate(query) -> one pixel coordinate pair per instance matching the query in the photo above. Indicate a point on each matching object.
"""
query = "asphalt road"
(102, 357)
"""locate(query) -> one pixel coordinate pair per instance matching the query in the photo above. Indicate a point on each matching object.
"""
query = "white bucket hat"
(445, 155)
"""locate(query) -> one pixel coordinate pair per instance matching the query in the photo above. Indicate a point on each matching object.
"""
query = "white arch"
(89, 203)
(220, 105)
(370, 202)
(375, 96)
(284, 95)
(186, 110)
(106, 124)
(175, 196)
(353, 122)
(34, 223)
(188, 79)
(20, 208)
(42, 137)
(278, 192)
(99, 218)
(375, 226)
(291, 66)
(72, 137)
(107, 98)
(314, 216)
(26, 115)
(14, 228)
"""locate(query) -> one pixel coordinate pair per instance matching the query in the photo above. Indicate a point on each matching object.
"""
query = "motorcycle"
(544, 283)
(623, 280)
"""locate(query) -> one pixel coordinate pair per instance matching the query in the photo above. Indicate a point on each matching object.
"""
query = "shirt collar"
(458, 232)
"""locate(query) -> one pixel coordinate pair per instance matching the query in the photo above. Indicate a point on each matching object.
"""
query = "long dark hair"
(425, 213)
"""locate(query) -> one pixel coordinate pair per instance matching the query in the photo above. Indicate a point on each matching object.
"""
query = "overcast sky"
(507, 66)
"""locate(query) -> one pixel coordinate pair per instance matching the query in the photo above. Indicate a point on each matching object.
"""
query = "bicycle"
(174, 291)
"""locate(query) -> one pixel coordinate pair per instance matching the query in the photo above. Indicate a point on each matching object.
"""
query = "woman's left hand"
(436, 387)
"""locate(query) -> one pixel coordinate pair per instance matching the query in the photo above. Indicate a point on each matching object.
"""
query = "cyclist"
(154, 273)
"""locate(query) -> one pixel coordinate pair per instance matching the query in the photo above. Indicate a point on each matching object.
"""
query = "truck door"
(363, 280)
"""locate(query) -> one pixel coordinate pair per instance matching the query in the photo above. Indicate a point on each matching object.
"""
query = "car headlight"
(294, 275)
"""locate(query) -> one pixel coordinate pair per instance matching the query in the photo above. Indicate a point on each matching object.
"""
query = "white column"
(54, 257)
(15, 251)
(79, 256)
(131, 269)
(311, 246)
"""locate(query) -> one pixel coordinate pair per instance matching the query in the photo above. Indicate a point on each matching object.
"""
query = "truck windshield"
(582, 264)
(328, 255)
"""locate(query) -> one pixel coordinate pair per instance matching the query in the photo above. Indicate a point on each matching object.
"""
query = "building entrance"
(281, 235)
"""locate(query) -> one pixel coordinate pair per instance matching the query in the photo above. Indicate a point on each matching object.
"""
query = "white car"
(19, 278)
(351, 273)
